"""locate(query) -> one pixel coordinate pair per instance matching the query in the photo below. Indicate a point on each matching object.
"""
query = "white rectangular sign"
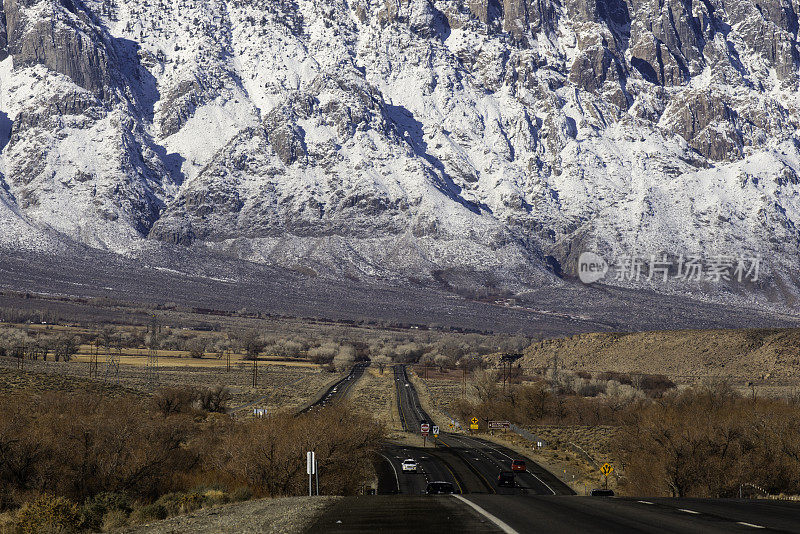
(310, 463)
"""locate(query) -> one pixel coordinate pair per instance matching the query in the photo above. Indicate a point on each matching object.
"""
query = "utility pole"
(555, 368)
(228, 360)
(255, 371)
(464, 383)
(93, 351)
(21, 357)
(151, 370)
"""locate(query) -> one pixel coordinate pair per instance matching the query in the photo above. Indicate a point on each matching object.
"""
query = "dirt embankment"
(756, 354)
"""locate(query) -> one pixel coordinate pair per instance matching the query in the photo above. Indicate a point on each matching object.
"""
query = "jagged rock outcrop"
(63, 36)
(410, 137)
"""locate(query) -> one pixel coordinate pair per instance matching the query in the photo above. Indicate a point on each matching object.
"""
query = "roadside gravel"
(286, 515)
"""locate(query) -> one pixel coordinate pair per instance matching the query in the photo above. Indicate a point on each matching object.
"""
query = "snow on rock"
(464, 142)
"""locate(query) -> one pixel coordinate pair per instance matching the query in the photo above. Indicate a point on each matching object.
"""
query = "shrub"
(96, 508)
(180, 503)
(197, 347)
(114, 519)
(215, 400)
(49, 514)
(655, 385)
(170, 400)
(148, 513)
(242, 493)
(622, 378)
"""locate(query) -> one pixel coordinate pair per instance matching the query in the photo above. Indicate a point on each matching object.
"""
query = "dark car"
(506, 479)
(518, 465)
(598, 492)
(439, 488)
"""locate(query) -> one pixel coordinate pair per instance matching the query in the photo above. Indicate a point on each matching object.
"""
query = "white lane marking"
(494, 519)
(509, 457)
(688, 511)
(645, 502)
(397, 478)
(751, 525)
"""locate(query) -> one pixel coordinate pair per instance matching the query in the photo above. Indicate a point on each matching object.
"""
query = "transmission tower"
(112, 363)
(151, 370)
(93, 367)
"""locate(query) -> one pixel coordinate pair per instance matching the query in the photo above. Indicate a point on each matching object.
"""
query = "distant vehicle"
(518, 465)
(506, 479)
(439, 488)
(599, 492)
(409, 464)
(408, 385)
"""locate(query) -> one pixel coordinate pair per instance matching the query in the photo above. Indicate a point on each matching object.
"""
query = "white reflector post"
(310, 463)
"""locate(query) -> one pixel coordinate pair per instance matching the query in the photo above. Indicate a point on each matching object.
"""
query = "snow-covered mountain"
(444, 140)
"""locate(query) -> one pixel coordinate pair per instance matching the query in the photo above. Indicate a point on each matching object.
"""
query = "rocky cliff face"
(446, 140)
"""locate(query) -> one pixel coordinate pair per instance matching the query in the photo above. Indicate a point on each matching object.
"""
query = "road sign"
(497, 425)
(310, 462)
(425, 427)
(435, 430)
(606, 469)
(474, 421)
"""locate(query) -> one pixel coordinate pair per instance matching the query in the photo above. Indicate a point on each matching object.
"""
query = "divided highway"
(340, 389)
(539, 502)
(470, 464)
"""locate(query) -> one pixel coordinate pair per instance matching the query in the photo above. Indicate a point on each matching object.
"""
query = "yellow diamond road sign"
(474, 420)
(606, 469)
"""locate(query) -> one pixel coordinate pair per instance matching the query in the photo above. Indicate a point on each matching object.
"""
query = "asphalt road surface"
(538, 503)
(340, 389)
(602, 514)
(470, 464)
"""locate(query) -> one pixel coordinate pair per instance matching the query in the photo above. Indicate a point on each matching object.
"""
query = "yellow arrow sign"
(474, 420)
(606, 469)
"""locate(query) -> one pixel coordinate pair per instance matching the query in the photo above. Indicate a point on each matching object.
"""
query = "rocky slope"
(470, 142)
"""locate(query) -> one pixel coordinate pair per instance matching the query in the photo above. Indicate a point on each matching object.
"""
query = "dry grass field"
(769, 357)
(278, 386)
(374, 395)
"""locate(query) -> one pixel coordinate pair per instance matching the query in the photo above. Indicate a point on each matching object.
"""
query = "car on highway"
(439, 488)
(600, 492)
(409, 464)
(518, 465)
(506, 479)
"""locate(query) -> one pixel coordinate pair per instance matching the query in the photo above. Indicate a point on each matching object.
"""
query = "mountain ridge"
(490, 142)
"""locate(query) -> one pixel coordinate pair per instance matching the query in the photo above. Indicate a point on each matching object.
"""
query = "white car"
(409, 465)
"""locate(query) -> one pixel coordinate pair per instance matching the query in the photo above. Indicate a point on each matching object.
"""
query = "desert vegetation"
(83, 462)
(710, 442)
(702, 441)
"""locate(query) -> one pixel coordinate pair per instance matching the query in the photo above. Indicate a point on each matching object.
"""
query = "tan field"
(766, 359)
(178, 358)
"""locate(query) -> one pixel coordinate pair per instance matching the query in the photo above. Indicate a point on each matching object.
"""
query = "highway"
(471, 464)
(340, 389)
(539, 503)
